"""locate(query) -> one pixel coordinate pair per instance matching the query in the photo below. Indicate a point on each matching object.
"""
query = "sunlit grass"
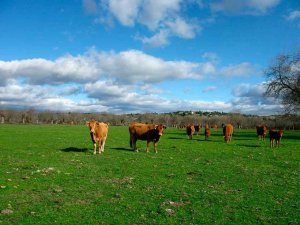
(50, 176)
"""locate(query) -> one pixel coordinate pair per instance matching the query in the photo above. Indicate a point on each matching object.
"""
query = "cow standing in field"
(197, 129)
(227, 132)
(275, 135)
(261, 132)
(207, 132)
(190, 131)
(98, 132)
(146, 132)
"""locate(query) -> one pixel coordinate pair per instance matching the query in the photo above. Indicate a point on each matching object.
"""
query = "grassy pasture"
(49, 175)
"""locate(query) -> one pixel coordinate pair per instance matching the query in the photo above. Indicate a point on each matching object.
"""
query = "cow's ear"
(156, 126)
(165, 127)
(87, 123)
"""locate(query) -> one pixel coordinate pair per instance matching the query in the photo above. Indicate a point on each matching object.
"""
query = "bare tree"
(284, 81)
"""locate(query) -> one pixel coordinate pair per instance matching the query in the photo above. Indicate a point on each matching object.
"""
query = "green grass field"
(49, 175)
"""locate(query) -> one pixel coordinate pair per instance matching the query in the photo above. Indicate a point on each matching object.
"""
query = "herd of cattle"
(153, 132)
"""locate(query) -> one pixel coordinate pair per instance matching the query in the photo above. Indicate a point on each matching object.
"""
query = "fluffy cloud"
(164, 19)
(64, 69)
(181, 28)
(293, 15)
(125, 11)
(128, 67)
(157, 40)
(252, 7)
(242, 69)
(121, 82)
(249, 99)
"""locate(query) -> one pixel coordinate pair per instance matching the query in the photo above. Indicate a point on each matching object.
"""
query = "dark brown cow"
(98, 132)
(197, 129)
(190, 130)
(207, 132)
(227, 132)
(261, 131)
(146, 132)
(275, 135)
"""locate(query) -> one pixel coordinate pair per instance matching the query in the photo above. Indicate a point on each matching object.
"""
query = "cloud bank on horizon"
(136, 80)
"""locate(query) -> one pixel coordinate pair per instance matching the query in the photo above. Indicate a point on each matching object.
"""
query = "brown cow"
(197, 129)
(190, 130)
(98, 132)
(227, 132)
(275, 135)
(146, 132)
(207, 132)
(261, 131)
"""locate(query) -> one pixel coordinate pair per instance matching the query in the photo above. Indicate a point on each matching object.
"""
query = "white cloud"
(162, 18)
(127, 67)
(157, 40)
(43, 71)
(155, 12)
(242, 69)
(135, 66)
(252, 7)
(293, 15)
(249, 90)
(249, 99)
(120, 82)
(107, 96)
(126, 11)
(183, 29)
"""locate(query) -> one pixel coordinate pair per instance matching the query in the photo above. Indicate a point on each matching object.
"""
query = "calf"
(146, 132)
(261, 131)
(275, 135)
(98, 132)
(227, 132)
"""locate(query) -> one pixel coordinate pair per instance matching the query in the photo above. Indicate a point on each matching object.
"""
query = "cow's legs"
(95, 146)
(271, 143)
(134, 145)
(147, 148)
(102, 145)
(155, 147)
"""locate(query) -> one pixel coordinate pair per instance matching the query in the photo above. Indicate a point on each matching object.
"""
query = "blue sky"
(128, 56)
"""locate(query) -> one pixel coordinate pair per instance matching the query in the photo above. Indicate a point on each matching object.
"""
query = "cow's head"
(160, 129)
(91, 125)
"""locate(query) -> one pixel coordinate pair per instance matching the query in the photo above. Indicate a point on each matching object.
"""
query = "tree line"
(173, 119)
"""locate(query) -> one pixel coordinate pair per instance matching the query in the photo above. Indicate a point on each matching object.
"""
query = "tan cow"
(98, 132)
(275, 135)
(261, 131)
(146, 132)
(207, 132)
(227, 132)
(190, 130)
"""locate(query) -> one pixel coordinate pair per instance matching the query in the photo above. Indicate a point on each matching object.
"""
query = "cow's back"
(140, 130)
(101, 130)
(227, 129)
(227, 132)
